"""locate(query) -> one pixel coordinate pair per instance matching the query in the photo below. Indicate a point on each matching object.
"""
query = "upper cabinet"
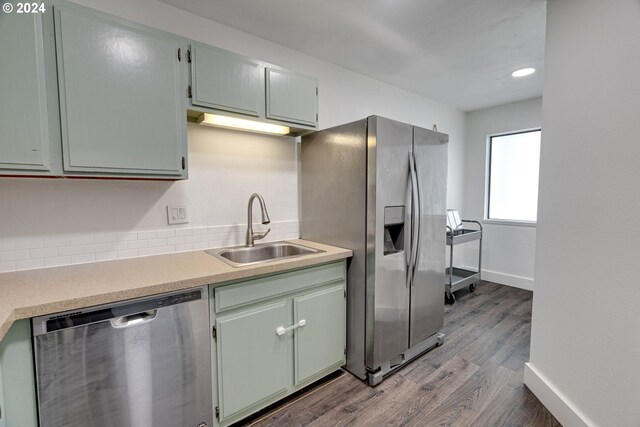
(291, 97)
(225, 81)
(28, 94)
(121, 97)
(86, 94)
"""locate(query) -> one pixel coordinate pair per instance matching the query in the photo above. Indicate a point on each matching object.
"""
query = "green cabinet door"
(17, 380)
(121, 98)
(2, 418)
(319, 344)
(291, 97)
(223, 80)
(253, 361)
(27, 127)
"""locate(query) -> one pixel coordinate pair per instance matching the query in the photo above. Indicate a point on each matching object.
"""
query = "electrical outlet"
(177, 214)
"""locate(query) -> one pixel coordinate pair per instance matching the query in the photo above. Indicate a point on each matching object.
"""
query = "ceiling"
(457, 52)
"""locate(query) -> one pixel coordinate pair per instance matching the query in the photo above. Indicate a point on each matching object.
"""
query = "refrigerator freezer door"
(427, 291)
(387, 313)
(333, 192)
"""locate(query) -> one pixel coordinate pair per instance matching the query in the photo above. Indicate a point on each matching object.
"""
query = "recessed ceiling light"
(523, 72)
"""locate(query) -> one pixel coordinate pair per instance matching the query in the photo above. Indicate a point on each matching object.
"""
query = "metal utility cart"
(458, 278)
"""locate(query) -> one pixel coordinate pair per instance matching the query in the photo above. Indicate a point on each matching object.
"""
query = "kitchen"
(226, 166)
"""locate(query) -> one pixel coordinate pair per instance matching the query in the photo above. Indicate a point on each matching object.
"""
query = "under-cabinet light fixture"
(242, 124)
(523, 72)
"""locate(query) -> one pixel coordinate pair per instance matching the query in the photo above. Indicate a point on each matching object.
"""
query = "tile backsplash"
(25, 253)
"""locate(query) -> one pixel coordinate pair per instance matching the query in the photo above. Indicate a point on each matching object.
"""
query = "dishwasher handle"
(134, 319)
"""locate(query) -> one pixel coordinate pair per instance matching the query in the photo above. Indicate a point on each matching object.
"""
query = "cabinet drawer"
(242, 293)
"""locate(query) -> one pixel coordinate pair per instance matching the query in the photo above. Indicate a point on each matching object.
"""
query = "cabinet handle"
(281, 330)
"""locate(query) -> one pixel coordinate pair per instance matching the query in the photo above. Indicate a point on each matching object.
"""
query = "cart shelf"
(459, 278)
(462, 278)
(463, 236)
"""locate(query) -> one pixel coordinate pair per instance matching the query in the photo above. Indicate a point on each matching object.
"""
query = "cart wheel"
(472, 287)
(449, 298)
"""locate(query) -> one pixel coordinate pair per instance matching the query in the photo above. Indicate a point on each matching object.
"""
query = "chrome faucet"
(251, 236)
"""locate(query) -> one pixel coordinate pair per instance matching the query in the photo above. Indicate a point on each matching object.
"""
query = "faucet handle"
(258, 235)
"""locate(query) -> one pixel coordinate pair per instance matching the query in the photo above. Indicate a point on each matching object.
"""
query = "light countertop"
(25, 294)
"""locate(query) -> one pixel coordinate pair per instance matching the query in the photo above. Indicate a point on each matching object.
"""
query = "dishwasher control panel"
(70, 319)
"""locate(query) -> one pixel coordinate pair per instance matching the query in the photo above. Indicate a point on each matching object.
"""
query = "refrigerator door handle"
(409, 252)
(415, 219)
(418, 220)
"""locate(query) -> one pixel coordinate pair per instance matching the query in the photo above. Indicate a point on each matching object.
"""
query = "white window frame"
(487, 182)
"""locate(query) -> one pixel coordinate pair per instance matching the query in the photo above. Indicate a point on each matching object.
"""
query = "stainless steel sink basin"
(240, 256)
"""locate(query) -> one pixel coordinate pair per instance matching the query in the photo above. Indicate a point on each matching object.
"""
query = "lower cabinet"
(17, 382)
(253, 361)
(272, 342)
(271, 336)
(2, 418)
(320, 343)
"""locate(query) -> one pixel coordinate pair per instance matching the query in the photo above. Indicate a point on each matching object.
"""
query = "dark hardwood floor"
(474, 379)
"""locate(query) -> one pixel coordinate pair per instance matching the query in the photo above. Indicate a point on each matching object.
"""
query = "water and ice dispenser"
(393, 229)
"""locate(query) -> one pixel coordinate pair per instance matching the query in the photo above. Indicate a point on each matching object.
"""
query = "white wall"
(508, 250)
(585, 344)
(51, 222)
(57, 222)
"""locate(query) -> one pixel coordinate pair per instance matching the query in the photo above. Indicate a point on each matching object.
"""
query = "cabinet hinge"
(189, 92)
(189, 56)
(217, 413)
(214, 332)
(316, 117)
(180, 56)
(345, 350)
(345, 293)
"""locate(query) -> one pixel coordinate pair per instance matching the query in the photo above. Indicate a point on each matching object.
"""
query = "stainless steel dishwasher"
(139, 363)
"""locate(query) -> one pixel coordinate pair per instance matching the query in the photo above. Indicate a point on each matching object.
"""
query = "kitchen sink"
(240, 256)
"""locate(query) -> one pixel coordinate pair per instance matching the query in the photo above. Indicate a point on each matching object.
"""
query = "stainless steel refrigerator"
(378, 187)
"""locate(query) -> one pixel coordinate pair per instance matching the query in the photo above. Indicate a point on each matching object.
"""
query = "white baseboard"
(553, 400)
(505, 279)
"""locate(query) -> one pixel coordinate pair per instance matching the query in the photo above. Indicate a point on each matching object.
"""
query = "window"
(513, 167)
